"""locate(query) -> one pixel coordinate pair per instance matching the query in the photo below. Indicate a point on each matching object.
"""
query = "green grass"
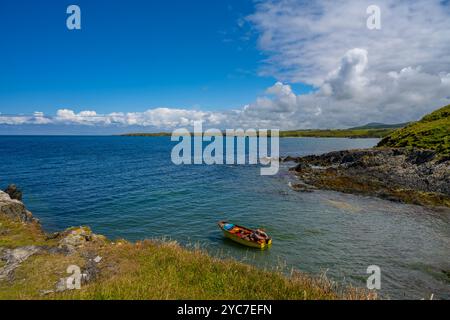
(165, 270)
(148, 270)
(432, 132)
(15, 234)
(377, 125)
(39, 272)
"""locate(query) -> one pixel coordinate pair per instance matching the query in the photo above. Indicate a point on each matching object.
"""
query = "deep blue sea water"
(127, 187)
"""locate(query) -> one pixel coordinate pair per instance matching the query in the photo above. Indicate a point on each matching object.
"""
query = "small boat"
(243, 235)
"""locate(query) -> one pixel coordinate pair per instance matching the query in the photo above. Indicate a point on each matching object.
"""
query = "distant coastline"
(372, 130)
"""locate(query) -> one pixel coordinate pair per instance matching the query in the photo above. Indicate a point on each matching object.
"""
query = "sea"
(128, 187)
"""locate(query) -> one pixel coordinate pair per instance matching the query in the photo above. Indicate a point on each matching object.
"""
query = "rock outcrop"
(13, 192)
(15, 209)
(13, 258)
(408, 175)
(78, 240)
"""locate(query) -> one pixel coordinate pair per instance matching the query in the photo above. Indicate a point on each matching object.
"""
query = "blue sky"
(158, 65)
(129, 56)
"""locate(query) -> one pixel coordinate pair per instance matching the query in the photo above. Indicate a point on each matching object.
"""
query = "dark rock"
(91, 270)
(13, 192)
(289, 159)
(301, 166)
(447, 273)
(54, 235)
(302, 187)
(421, 156)
(397, 174)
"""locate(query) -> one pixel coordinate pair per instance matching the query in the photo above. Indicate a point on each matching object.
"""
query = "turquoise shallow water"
(128, 187)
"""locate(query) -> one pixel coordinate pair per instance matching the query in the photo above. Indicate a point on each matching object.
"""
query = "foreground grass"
(155, 270)
(15, 234)
(152, 270)
(37, 274)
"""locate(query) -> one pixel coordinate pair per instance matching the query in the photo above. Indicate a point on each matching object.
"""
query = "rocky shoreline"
(415, 176)
(13, 207)
(69, 242)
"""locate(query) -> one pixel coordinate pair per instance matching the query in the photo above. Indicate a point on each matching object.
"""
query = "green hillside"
(432, 132)
(337, 133)
(377, 125)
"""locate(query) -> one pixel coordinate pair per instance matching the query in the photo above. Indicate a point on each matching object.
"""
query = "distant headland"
(371, 130)
(410, 165)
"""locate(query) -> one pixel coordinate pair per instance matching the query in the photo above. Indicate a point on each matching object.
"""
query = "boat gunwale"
(256, 244)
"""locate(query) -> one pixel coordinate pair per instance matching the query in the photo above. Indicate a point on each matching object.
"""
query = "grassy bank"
(149, 270)
(431, 132)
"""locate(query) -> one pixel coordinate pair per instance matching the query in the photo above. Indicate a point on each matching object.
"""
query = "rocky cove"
(407, 175)
(78, 264)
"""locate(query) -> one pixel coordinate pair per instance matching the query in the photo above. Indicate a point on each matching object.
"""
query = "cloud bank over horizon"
(395, 74)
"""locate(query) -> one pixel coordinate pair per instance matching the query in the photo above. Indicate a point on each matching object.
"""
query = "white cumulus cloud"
(395, 74)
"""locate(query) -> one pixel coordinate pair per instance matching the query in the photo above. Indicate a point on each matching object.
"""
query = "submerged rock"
(289, 159)
(301, 187)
